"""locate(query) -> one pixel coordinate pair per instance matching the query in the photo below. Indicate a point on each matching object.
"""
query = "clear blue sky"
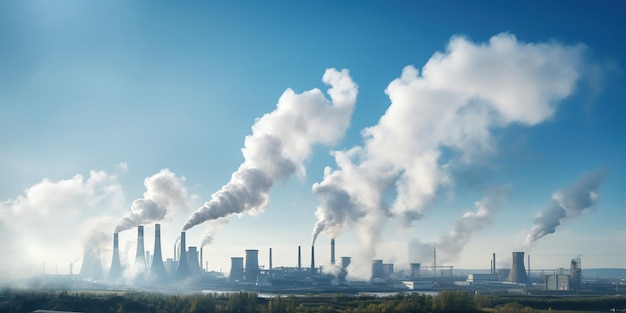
(130, 88)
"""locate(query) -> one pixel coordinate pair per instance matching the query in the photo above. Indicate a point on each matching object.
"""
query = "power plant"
(245, 273)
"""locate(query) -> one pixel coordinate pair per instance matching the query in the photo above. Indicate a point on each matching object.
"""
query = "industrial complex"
(150, 271)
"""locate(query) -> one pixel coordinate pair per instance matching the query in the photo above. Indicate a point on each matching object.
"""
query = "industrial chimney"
(157, 270)
(252, 265)
(299, 259)
(140, 256)
(270, 259)
(236, 269)
(312, 260)
(518, 272)
(332, 251)
(182, 271)
(115, 273)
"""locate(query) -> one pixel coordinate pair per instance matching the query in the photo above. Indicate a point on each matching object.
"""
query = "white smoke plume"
(49, 221)
(209, 233)
(450, 245)
(164, 192)
(567, 203)
(280, 143)
(437, 119)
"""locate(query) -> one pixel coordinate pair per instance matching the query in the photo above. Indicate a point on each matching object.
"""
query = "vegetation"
(446, 301)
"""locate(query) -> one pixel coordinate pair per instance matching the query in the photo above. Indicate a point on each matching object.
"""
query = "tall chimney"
(157, 270)
(299, 259)
(312, 259)
(140, 256)
(115, 272)
(252, 265)
(270, 259)
(201, 258)
(182, 271)
(494, 264)
(518, 272)
(332, 251)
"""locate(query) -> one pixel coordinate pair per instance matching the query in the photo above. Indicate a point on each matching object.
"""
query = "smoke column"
(450, 245)
(164, 190)
(567, 203)
(439, 119)
(279, 144)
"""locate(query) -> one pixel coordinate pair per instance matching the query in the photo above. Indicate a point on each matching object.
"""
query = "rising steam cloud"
(567, 203)
(443, 117)
(280, 143)
(450, 245)
(164, 192)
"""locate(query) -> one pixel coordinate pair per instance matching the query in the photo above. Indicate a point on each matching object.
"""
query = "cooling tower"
(182, 271)
(415, 270)
(387, 269)
(157, 270)
(377, 269)
(192, 260)
(115, 273)
(518, 272)
(345, 262)
(252, 265)
(332, 251)
(92, 266)
(236, 269)
(312, 259)
(140, 256)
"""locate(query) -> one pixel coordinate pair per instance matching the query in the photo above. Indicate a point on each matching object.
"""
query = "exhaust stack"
(332, 251)
(115, 273)
(312, 259)
(299, 259)
(157, 269)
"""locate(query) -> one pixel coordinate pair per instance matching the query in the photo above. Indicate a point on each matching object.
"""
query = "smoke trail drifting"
(280, 143)
(567, 203)
(164, 191)
(440, 118)
(451, 244)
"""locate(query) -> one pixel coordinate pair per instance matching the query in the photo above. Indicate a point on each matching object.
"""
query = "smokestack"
(140, 256)
(236, 269)
(182, 271)
(115, 272)
(157, 270)
(518, 272)
(312, 259)
(299, 259)
(332, 251)
(528, 267)
(252, 265)
(192, 261)
(201, 256)
(494, 264)
(270, 259)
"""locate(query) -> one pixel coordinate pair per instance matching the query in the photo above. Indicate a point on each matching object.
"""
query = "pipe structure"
(312, 259)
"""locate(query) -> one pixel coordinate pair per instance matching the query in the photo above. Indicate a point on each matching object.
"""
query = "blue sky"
(127, 89)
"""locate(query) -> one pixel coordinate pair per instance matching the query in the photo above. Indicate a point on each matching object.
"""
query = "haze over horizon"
(394, 127)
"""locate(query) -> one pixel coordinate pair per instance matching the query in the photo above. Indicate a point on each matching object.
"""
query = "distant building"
(558, 282)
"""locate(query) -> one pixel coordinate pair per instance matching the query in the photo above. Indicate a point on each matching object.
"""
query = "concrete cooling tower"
(252, 265)
(182, 271)
(518, 272)
(140, 256)
(236, 269)
(157, 269)
(115, 273)
(92, 266)
(377, 269)
(192, 261)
